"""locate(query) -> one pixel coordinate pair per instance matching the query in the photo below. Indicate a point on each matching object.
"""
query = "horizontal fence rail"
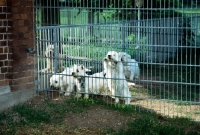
(164, 75)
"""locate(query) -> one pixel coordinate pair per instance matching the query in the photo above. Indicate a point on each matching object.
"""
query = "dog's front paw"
(67, 94)
(116, 100)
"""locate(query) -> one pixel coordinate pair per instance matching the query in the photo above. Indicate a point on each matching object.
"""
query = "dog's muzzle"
(109, 56)
(73, 73)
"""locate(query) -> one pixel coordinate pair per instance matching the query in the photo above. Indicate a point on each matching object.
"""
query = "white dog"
(63, 81)
(131, 67)
(115, 76)
(113, 55)
(49, 53)
(89, 84)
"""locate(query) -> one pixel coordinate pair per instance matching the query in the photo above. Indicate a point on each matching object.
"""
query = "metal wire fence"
(162, 37)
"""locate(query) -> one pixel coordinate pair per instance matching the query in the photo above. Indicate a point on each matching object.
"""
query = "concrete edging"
(12, 98)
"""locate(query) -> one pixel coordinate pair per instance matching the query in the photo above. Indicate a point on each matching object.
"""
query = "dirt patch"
(94, 120)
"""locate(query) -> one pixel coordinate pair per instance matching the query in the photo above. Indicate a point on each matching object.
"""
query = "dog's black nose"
(109, 56)
(73, 73)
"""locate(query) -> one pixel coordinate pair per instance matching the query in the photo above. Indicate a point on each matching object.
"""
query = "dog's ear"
(104, 74)
(82, 67)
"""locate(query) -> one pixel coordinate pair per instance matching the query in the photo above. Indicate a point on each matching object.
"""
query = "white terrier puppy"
(49, 53)
(131, 67)
(116, 80)
(94, 84)
(63, 81)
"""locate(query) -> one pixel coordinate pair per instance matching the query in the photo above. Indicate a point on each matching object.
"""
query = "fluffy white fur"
(49, 53)
(116, 80)
(63, 81)
(92, 84)
(113, 55)
(131, 67)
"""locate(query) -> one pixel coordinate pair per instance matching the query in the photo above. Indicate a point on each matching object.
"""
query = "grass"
(35, 116)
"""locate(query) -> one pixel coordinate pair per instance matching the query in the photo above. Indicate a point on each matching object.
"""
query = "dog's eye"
(77, 70)
(56, 81)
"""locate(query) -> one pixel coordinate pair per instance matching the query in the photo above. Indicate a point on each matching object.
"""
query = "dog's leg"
(116, 100)
(131, 76)
(86, 95)
(69, 89)
(62, 89)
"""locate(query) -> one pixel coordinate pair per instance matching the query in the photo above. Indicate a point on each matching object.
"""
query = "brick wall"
(5, 60)
(17, 66)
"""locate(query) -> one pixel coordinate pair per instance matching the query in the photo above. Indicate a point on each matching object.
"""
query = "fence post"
(123, 37)
(56, 56)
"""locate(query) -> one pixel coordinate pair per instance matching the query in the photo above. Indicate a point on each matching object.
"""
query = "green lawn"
(52, 117)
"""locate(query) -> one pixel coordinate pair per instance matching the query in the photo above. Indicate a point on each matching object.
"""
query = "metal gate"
(164, 40)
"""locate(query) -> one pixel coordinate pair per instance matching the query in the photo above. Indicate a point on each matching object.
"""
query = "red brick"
(4, 69)
(30, 60)
(1, 63)
(24, 29)
(15, 10)
(27, 22)
(23, 16)
(1, 50)
(15, 49)
(9, 69)
(9, 76)
(26, 67)
(31, 16)
(20, 23)
(4, 83)
(16, 42)
(26, 9)
(1, 36)
(28, 35)
(3, 16)
(23, 80)
(16, 16)
(7, 63)
(8, 22)
(15, 23)
(27, 41)
(3, 56)
(31, 79)
(14, 29)
(16, 3)
(5, 50)
(2, 30)
(2, 76)
(14, 36)
(9, 56)
(21, 35)
(3, 43)
(17, 68)
(27, 3)
(2, 3)
(30, 28)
